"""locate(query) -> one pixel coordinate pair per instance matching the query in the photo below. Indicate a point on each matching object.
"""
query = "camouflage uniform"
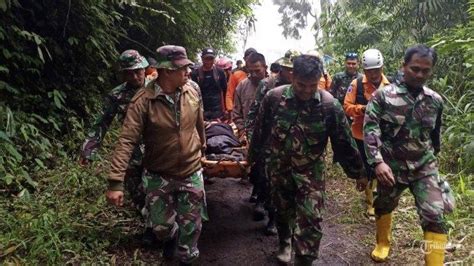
(404, 132)
(340, 83)
(115, 105)
(162, 197)
(298, 133)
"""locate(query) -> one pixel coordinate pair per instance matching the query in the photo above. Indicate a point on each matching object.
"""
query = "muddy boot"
(383, 235)
(303, 260)
(369, 199)
(284, 242)
(258, 212)
(270, 229)
(435, 244)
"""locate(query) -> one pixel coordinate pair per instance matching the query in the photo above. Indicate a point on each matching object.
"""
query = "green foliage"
(57, 59)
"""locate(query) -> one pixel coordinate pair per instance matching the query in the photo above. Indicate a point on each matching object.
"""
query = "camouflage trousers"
(176, 207)
(299, 201)
(433, 199)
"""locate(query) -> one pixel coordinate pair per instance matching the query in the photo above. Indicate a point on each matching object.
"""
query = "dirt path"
(232, 238)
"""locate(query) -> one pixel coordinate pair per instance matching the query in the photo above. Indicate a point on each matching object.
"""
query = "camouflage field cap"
(131, 59)
(287, 60)
(172, 57)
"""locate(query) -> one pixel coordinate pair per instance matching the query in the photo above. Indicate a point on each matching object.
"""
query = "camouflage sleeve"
(253, 111)
(436, 133)
(96, 135)
(335, 85)
(344, 146)
(262, 127)
(372, 132)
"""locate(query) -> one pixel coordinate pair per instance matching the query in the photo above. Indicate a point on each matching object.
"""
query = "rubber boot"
(435, 246)
(383, 235)
(369, 199)
(259, 212)
(304, 260)
(284, 239)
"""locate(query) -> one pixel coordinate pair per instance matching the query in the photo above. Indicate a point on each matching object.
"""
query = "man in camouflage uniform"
(261, 189)
(168, 115)
(298, 119)
(132, 67)
(402, 137)
(342, 80)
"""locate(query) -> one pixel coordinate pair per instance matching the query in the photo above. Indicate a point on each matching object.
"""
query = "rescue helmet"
(372, 58)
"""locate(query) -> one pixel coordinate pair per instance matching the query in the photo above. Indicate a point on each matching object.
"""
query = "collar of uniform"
(402, 89)
(290, 94)
(159, 90)
(384, 80)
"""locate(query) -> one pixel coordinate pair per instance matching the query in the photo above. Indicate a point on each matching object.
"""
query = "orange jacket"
(325, 82)
(234, 80)
(356, 110)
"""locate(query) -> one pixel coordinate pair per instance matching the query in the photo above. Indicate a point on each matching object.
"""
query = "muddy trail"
(231, 237)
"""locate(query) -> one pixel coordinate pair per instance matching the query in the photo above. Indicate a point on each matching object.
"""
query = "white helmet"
(371, 59)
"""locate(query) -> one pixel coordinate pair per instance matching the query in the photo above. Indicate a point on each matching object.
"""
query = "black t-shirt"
(213, 87)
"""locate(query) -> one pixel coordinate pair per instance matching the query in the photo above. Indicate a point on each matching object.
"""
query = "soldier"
(261, 189)
(355, 101)
(402, 137)
(168, 115)
(298, 119)
(342, 80)
(132, 67)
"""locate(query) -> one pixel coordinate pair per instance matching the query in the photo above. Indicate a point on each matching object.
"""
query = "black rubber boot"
(270, 229)
(169, 247)
(304, 260)
(148, 238)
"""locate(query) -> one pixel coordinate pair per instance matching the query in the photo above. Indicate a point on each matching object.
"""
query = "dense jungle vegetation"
(58, 59)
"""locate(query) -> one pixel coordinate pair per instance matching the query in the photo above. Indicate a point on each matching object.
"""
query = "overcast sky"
(268, 38)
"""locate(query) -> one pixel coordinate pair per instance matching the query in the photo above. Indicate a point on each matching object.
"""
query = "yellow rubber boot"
(369, 199)
(435, 246)
(383, 235)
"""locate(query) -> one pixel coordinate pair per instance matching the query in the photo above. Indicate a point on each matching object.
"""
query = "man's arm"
(344, 146)
(253, 110)
(200, 127)
(350, 107)
(436, 133)
(262, 128)
(237, 111)
(130, 136)
(99, 128)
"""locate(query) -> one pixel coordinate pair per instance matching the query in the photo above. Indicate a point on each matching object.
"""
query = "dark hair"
(249, 51)
(422, 50)
(256, 57)
(275, 67)
(307, 67)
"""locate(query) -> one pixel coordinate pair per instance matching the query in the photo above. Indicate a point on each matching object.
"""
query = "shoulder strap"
(327, 109)
(200, 74)
(360, 99)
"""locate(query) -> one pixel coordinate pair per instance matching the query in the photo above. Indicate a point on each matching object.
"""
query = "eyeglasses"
(351, 55)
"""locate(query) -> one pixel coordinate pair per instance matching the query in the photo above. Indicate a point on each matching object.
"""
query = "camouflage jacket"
(263, 87)
(340, 83)
(401, 130)
(115, 104)
(298, 133)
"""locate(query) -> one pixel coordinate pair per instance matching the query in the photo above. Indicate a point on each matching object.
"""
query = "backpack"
(360, 99)
(215, 75)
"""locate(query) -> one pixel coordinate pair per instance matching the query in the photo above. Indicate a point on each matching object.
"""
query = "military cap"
(287, 60)
(131, 59)
(172, 57)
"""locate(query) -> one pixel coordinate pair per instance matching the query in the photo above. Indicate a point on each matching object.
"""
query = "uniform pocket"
(447, 195)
